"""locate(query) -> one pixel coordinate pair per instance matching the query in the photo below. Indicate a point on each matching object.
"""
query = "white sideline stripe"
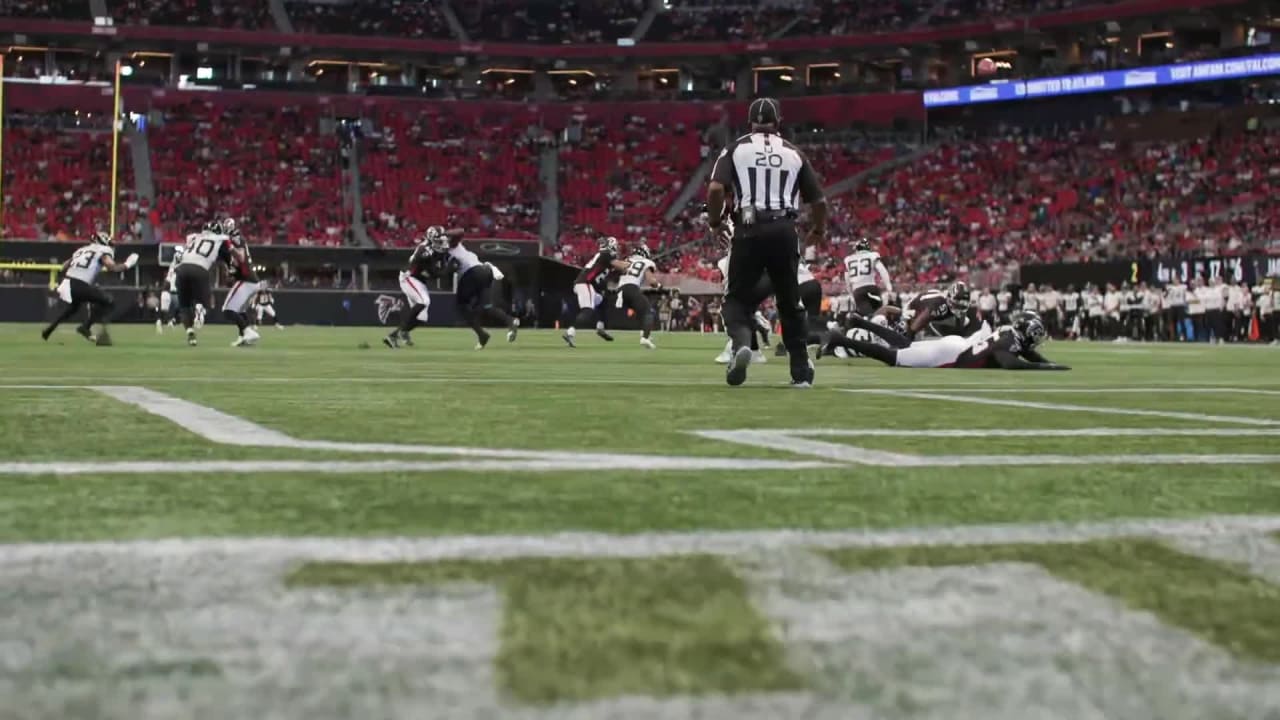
(612, 463)
(828, 381)
(789, 441)
(1079, 408)
(1025, 432)
(1092, 390)
(580, 544)
(219, 427)
(802, 446)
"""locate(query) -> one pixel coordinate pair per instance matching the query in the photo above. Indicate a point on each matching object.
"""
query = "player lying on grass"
(1010, 347)
(936, 313)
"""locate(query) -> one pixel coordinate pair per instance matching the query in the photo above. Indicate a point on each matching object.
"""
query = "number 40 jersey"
(205, 248)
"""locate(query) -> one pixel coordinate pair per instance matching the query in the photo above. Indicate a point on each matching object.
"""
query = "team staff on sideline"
(769, 177)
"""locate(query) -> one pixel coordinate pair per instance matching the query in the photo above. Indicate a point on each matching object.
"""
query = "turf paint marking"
(796, 442)
(1060, 407)
(206, 628)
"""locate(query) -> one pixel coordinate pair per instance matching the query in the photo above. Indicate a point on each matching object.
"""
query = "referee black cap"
(764, 111)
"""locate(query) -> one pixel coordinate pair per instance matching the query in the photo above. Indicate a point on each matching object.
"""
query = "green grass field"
(319, 530)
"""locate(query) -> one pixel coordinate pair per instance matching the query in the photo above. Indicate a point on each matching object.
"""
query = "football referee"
(769, 177)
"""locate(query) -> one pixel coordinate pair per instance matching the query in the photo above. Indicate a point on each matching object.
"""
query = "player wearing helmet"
(240, 265)
(475, 283)
(590, 286)
(413, 283)
(937, 313)
(641, 272)
(79, 287)
(861, 267)
(1010, 347)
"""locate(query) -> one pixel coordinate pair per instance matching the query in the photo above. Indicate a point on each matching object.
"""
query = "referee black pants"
(771, 249)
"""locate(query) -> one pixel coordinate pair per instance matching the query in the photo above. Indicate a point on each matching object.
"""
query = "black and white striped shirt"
(767, 173)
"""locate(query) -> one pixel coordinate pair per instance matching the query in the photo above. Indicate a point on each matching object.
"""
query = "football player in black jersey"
(1010, 347)
(475, 285)
(590, 287)
(936, 313)
(413, 283)
(245, 288)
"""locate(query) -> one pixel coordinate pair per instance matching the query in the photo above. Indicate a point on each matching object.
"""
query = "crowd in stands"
(283, 185)
(46, 9)
(961, 11)
(479, 174)
(550, 21)
(237, 14)
(400, 18)
(701, 21)
(620, 179)
(57, 170)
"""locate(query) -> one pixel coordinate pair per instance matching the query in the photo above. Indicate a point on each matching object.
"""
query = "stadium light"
(126, 70)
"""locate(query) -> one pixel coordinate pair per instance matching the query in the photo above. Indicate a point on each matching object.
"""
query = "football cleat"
(604, 334)
(391, 341)
(482, 340)
(781, 351)
(647, 343)
(802, 377)
(568, 340)
(405, 339)
(736, 373)
(191, 338)
(45, 333)
(251, 336)
(758, 357)
(513, 331)
(85, 333)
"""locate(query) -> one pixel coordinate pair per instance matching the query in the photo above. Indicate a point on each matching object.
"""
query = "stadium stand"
(60, 9)
(56, 176)
(550, 21)
(237, 14)
(957, 11)
(282, 186)
(448, 167)
(401, 18)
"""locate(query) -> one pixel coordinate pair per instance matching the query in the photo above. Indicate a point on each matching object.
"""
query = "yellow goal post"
(52, 268)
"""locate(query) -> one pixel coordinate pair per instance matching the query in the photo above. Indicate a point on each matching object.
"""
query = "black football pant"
(82, 293)
(886, 355)
(633, 297)
(771, 249)
(475, 300)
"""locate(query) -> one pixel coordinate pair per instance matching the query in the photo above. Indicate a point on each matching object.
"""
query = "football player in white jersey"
(194, 273)
(79, 287)
(474, 293)
(169, 293)
(641, 271)
(860, 270)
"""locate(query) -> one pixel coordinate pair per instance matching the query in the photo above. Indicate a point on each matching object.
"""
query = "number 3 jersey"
(86, 263)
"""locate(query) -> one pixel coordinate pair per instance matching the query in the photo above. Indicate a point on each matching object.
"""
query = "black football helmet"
(1029, 328)
(100, 238)
(213, 226)
(958, 295)
(642, 250)
(862, 245)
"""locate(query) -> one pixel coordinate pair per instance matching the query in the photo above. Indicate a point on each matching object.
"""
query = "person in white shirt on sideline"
(1112, 301)
(1195, 310)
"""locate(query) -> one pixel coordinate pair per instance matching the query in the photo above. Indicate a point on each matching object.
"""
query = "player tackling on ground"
(1010, 347)
(78, 287)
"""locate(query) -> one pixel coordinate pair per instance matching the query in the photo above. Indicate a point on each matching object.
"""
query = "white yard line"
(815, 448)
(1093, 390)
(611, 463)
(219, 427)
(1029, 432)
(1060, 407)
(583, 544)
